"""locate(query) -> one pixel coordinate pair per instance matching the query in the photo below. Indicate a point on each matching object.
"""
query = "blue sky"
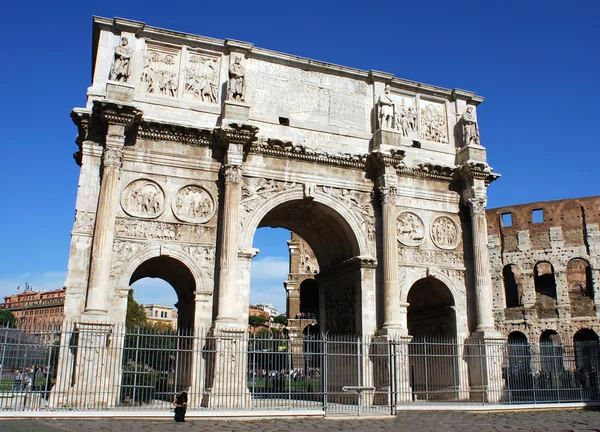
(535, 61)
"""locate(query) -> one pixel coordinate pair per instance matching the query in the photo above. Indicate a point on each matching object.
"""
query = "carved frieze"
(360, 202)
(123, 251)
(160, 76)
(444, 232)
(143, 198)
(152, 230)
(410, 229)
(204, 256)
(433, 122)
(427, 257)
(194, 204)
(255, 191)
(201, 77)
(84, 222)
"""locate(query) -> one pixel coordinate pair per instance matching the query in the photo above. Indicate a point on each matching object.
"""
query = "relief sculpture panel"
(256, 191)
(410, 229)
(434, 125)
(444, 233)
(160, 76)
(194, 204)
(151, 230)
(202, 78)
(143, 198)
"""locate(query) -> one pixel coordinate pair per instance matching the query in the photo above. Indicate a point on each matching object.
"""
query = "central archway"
(332, 233)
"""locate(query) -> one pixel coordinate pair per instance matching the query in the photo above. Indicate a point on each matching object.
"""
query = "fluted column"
(483, 280)
(117, 120)
(232, 175)
(391, 287)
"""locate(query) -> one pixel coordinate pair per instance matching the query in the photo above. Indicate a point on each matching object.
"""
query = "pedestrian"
(18, 384)
(180, 403)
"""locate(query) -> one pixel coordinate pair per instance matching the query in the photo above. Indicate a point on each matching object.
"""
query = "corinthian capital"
(388, 194)
(476, 205)
(232, 173)
(112, 157)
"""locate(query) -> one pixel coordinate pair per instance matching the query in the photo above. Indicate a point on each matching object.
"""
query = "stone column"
(483, 280)
(117, 119)
(232, 175)
(391, 286)
(227, 363)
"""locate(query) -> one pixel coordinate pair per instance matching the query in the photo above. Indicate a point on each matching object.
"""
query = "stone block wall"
(545, 265)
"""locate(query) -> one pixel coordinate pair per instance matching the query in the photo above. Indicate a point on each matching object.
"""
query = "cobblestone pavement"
(421, 421)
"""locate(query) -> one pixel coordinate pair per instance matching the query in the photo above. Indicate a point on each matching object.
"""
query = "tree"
(256, 320)
(280, 319)
(7, 318)
(136, 315)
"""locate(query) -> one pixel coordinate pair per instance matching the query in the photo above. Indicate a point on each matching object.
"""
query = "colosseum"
(545, 264)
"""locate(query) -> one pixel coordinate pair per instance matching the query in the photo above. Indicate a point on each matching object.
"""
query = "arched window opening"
(513, 288)
(579, 282)
(545, 290)
(551, 356)
(517, 370)
(587, 353)
(309, 299)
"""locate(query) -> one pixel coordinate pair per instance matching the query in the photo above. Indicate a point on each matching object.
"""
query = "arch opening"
(431, 309)
(432, 323)
(157, 357)
(587, 354)
(581, 292)
(552, 358)
(330, 293)
(513, 288)
(545, 290)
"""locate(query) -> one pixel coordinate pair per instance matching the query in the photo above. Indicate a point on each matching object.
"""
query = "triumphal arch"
(188, 144)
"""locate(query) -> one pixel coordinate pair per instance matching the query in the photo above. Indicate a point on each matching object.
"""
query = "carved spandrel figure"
(236, 80)
(470, 129)
(386, 108)
(121, 70)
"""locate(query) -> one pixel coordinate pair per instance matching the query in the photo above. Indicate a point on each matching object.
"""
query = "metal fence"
(110, 367)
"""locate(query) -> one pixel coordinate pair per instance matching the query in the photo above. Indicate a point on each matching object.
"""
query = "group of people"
(305, 315)
(23, 379)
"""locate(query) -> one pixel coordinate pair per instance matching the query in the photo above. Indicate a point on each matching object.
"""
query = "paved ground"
(420, 421)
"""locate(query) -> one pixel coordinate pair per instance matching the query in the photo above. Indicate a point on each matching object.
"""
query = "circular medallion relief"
(410, 229)
(445, 232)
(143, 198)
(193, 204)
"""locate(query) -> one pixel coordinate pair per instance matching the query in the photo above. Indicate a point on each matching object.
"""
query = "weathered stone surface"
(209, 140)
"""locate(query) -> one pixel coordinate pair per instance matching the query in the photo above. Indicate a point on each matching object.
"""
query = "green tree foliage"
(256, 320)
(280, 319)
(136, 316)
(7, 318)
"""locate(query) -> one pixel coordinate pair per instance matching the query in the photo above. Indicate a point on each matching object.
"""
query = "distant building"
(161, 314)
(36, 310)
(267, 308)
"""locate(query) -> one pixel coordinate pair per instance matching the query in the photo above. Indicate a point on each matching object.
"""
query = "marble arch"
(193, 145)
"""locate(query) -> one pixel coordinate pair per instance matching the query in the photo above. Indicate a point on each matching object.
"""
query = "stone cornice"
(348, 266)
(156, 131)
(429, 171)
(287, 150)
(117, 113)
(478, 171)
(237, 133)
(378, 161)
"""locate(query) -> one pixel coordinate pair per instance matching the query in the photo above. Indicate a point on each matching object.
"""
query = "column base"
(485, 354)
(233, 111)
(227, 368)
